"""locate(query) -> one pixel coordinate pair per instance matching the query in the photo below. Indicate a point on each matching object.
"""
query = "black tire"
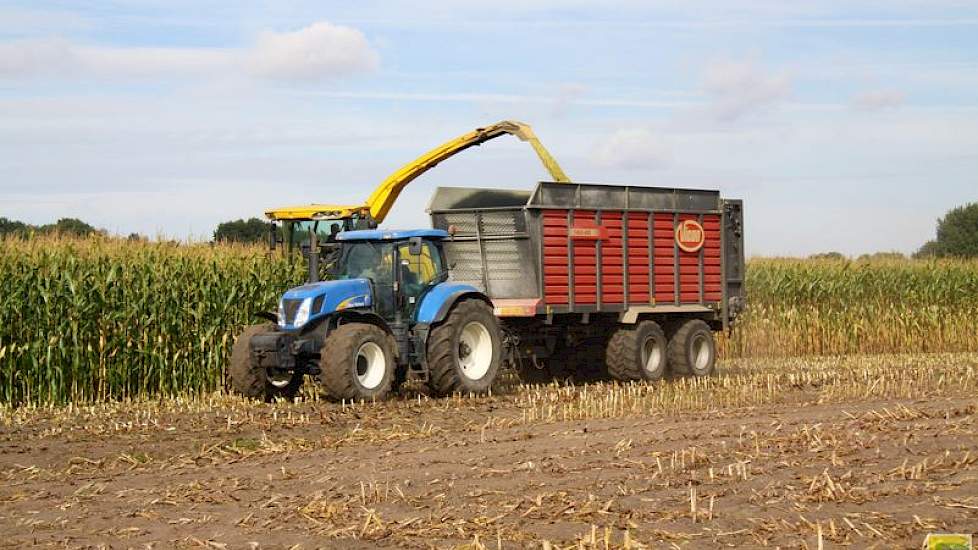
(259, 383)
(637, 352)
(585, 362)
(350, 367)
(448, 351)
(692, 349)
(530, 374)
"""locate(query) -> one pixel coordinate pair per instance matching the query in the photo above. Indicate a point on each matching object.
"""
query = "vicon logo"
(690, 236)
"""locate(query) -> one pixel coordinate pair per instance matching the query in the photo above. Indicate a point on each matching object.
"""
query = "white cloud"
(878, 100)
(740, 88)
(633, 149)
(319, 51)
(27, 57)
(567, 95)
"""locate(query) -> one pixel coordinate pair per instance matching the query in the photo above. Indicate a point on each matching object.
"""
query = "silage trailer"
(564, 280)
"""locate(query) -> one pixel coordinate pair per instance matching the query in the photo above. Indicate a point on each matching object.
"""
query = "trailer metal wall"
(594, 248)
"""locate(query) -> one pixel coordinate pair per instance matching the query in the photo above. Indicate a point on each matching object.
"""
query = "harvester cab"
(387, 306)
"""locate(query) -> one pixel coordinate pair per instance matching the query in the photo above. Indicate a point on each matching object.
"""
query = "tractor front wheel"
(259, 383)
(357, 362)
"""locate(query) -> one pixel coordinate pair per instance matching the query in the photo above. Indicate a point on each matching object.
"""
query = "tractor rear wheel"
(692, 349)
(357, 362)
(464, 352)
(637, 352)
(259, 383)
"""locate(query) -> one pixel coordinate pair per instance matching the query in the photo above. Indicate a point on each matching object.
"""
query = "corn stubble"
(93, 320)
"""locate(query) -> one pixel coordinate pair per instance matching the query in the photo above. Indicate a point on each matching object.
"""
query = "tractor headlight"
(281, 314)
(302, 316)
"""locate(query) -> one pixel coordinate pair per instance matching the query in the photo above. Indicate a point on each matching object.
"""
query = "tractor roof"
(390, 235)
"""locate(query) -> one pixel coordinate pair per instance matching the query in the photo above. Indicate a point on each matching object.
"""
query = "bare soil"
(802, 468)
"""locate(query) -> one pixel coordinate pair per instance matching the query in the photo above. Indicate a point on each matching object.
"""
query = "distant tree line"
(242, 231)
(64, 226)
(957, 237)
(862, 257)
(957, 234)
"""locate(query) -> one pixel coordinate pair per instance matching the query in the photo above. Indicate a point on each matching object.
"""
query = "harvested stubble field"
(864, 452)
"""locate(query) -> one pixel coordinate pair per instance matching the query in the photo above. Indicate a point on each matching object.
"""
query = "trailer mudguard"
(436, 303)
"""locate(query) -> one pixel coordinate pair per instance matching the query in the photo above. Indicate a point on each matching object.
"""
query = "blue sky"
(846, 126)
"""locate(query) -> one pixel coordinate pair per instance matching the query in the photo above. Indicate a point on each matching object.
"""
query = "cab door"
(419, 266)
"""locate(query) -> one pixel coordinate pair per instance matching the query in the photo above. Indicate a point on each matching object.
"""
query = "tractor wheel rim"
(371, 365)
(701, 352)
(474, 352)
(279, 378)
(652, 355)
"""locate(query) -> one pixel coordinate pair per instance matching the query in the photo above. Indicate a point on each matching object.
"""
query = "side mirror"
(414, 246)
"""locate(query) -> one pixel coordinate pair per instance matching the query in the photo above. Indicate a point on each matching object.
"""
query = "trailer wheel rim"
(701, 352)
(371, 365)
(278, 378)
(651, 355)
(474, 352)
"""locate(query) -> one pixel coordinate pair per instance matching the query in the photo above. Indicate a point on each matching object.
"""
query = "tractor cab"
(401, 265)
(381, 273)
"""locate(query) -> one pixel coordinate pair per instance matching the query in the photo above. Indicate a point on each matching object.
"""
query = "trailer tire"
(257, 383)
(528, 373)
(464, 352)
(693, 349)
(637, 352)
(357, 363)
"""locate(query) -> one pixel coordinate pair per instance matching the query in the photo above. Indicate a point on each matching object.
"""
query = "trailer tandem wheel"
(637, 352)
(692, 349)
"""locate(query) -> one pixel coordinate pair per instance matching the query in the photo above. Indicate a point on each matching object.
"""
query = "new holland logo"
(690, 236)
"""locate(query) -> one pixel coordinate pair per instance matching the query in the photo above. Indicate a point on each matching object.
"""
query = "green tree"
(894, 255)
(13, 228)
(69, 226)
(242, 231)
(957, 234)
(828, 256)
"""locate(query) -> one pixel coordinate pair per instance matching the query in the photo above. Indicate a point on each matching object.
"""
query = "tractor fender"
(437, 302)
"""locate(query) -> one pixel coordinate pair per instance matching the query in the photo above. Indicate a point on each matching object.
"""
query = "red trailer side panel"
(664, 243)
(555, 272)
(585, 252)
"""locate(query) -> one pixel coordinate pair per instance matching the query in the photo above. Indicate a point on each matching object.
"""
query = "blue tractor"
(387, 313)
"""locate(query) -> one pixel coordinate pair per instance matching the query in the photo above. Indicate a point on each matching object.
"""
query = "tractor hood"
(304, 304)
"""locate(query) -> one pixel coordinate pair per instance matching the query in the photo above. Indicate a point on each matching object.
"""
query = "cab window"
(418, 270)
(366, 260)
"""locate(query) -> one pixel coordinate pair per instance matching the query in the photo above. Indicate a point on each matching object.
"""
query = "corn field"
(86, 320)
(832, 307)
(92, 320)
